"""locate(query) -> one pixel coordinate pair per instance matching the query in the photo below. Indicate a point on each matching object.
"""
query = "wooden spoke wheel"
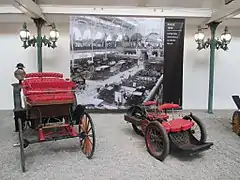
(198, 131)
(157, 141)
(87, 135)
(236, 122)
(21, 144)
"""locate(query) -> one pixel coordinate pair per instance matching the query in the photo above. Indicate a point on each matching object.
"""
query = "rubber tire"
(21, 142)
(131, 112)
(137, 130)
(201, 126)
(234, 124)
(166, 141)
(93, 135)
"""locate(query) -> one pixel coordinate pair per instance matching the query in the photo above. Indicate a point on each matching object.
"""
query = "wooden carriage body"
(46, 103)
(47, 95)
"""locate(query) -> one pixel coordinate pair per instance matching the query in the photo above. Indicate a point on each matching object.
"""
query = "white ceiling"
(150, 3)
(157, 3)
(19, 18)
(60, 17)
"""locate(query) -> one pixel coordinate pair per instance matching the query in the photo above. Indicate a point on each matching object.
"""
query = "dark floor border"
(107, 111)
(112, 111)
(120, 111)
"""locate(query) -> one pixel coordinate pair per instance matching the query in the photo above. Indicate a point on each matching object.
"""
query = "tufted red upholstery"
(168, 106)
(166, 126)
(44, 74)
(47, 90)
(177, 125)
(149, 103)
(57, 98)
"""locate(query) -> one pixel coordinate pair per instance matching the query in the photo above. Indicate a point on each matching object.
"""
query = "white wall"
(195, 78)
(12, 53)
(196, 73)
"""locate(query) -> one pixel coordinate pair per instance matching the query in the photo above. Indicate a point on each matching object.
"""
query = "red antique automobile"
(163, 133)
(46, 103)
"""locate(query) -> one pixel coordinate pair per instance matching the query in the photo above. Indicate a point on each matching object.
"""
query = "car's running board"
(193, 149)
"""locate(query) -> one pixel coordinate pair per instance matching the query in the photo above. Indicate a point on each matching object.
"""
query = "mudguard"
(78, 113)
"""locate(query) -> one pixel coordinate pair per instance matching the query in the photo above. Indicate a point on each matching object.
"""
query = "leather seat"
(50, 90)
(178, 125)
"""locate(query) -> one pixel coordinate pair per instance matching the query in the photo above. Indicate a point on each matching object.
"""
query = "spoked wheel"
(87, 135)
(236, 122)
(199, 129)
(21, 144)
(137, 130)
(157, 141)
(137, 112)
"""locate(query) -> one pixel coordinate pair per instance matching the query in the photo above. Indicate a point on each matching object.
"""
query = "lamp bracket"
(47, 42)
(222, 45)
(218, 45)
(204, 44)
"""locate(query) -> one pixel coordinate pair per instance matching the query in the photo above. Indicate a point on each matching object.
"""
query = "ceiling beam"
(30, 8)
(118, 11)
(225, 12)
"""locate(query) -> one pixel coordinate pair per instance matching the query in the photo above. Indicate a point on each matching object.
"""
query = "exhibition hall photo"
(120, 61)
(116, 61)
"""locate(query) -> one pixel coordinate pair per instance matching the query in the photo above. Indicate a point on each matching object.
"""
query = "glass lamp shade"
(226, 37)
(19, 74)
(199, 36)
(54, 35)
(24, 34)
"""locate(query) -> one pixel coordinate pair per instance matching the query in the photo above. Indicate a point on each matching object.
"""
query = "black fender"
(132, 108)
(78, 113)
(200, 124)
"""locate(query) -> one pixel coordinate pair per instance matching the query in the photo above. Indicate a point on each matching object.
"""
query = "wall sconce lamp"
(49, 42)
(221, 42)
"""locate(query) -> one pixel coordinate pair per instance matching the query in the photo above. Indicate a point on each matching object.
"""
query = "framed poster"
(120, 61)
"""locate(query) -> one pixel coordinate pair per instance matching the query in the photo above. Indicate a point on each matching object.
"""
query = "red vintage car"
(164, 133)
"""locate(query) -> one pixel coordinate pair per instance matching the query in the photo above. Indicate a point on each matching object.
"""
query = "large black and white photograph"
(117, 61)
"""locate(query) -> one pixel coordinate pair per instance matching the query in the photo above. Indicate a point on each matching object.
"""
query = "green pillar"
(213, 27)
(39, 48)
(39, 24)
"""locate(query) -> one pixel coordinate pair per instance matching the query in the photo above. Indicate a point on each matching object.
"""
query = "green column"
(39, 48)
(213, 27)
(39, 24)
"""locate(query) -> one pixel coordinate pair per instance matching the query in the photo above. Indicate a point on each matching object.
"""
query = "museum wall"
(195, 72)
(12, 53)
